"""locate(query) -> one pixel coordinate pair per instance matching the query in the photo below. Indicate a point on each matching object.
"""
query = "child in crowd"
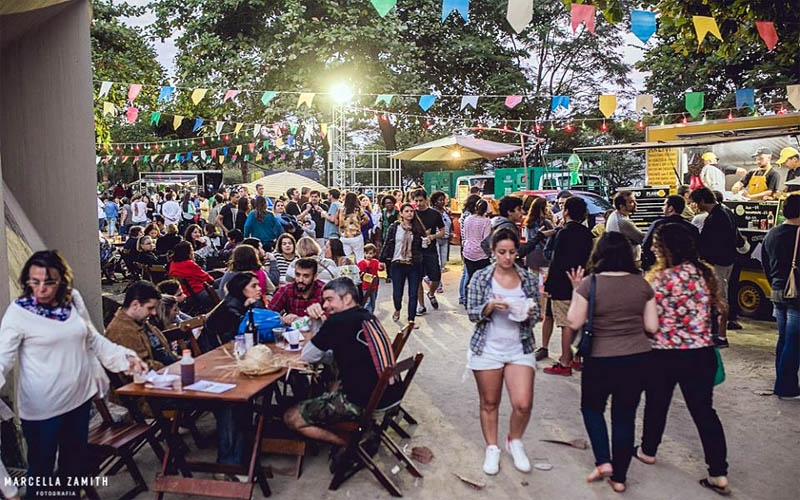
(370, 265)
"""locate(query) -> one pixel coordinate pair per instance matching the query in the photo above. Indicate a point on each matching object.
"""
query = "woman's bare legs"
(490, 387)
(519, 384)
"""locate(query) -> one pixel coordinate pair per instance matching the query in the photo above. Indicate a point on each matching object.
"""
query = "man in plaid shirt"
(292, 299)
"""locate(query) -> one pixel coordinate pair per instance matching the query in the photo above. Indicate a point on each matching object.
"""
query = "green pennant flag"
(293, 128)
(155, 116)
(574, 164)
(694, 103)
(266, 144)
(268, 96)
(383, 6)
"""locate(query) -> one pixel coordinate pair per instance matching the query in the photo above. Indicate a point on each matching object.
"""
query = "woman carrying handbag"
(615, 365)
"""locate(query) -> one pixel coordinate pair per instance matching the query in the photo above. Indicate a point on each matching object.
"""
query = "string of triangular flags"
(255, 150)
(519, 14)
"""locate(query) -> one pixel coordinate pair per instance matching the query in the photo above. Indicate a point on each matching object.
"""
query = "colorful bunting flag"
(644, 101)
(198, 122)
(132, 114)
(793, 95)
(469, 100)
(290, 140)
(237, 128)
(695, 102)
(704, 25)
(512, 101)
(305, 98)
(383, 6)
(203, 154)
(293, 128)
(384, 98)
(109, 108)
(218, 127)
(133, 92)
(323, 129)
(258, 157)
(559, 101)
(251, 146)
(155, 117)
(165, 94)
(214, 152)
(256, 129)
(230, 94)
(278, 142)
(766, 30)
(239, 149)
(745, 97)
(176, 121)
(221, 159)
(582, 13)
(460, 6)
(268, 96)
(643, 24)
(608, 104)
(198, 95)
(426, 101)
(225, 151)
(519, 14)
(104, 88)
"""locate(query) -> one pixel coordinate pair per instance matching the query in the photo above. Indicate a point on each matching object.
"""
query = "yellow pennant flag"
(608, 104)
(237, 128)
(198, 94)
(239, 149)
(221, 159)
(278, 142)
(109, 108)
(258, 156)
(306, 98)
(176, 122)
(704, 25)
(323, 129)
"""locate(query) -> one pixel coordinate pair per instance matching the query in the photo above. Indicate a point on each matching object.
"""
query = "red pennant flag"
(251, 146)
(214, 153)
(766, 30)
(582, 13)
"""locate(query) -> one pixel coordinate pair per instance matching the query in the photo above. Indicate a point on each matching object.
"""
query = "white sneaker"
(517, 451)
(491, 462)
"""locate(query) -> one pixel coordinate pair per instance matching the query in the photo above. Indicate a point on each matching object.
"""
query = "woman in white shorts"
(503, 302)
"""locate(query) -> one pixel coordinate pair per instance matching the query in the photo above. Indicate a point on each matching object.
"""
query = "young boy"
(370, 265)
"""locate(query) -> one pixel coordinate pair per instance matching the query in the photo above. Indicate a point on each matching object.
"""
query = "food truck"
(670, 149)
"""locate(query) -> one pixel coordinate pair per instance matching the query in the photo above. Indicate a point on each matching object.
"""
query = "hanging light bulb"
(202, 142)
(505, 127)
(730, 116)
(782, 110)
(552, 127)
(604, 127)
(583, 125)
(705, 118)
(225, 138)
(684, 120)
(640, 125)
(118, 149)
(569, 128)
(136, 147)
(662, 120)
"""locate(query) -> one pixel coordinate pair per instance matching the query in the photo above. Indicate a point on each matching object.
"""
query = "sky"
(166, 50)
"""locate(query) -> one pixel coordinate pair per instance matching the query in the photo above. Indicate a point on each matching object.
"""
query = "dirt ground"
(762, 432)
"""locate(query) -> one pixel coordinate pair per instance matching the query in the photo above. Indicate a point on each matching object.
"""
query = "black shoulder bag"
(583, 343)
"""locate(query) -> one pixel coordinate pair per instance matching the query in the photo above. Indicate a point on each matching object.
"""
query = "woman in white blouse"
(49, 330)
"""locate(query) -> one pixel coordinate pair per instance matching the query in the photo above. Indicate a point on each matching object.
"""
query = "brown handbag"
(790, 290)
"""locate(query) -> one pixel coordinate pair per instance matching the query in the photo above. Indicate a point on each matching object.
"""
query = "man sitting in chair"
(361, 350)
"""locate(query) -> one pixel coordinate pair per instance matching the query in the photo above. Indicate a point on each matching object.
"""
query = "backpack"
(265, 321)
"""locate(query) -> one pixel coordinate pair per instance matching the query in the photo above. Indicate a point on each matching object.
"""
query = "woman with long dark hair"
(245, 258)
(402, 253)
(49, 330)
(539, 227)
(334, 250)
(466, 210)
(350, 220)
(476, 228)
(285, 254)
(624, 309)
(188, 209)
(262, 224)
(200, 243)
(503, 302)
(683, 350)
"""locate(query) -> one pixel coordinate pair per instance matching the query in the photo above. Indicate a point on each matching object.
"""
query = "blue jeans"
(67, 435)
(233, 428)
(787, 351)
(462, 287)
(111, 224)
(400, 273)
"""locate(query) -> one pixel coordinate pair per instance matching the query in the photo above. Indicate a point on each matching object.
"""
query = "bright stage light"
(341, 93)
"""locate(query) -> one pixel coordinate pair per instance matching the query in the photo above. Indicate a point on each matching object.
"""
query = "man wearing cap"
(790, 158)
(709, 158)
(761, 183)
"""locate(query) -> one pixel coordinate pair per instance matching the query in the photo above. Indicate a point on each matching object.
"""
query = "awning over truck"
(700, 139)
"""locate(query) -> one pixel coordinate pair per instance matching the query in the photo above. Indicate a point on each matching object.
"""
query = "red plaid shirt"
(289, 300)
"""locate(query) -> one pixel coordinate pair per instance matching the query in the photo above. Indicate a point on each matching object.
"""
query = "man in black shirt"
(434, 227)
(292, 206)
(317, 209)
(230, 217)
(673, 208)
(762, 182)
(790, 158)
(343, 334)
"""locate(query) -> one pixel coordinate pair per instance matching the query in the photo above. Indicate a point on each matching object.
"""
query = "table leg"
(255, 468)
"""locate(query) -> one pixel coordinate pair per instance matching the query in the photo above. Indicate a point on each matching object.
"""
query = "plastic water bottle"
(187, 368)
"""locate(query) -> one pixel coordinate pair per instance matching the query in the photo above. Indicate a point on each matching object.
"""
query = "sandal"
(599, 474)
(617, 487)
(396, 316)
(434, 302)
(720, 490)
(647, 460)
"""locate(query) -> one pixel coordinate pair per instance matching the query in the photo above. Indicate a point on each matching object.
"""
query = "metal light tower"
(337, 159)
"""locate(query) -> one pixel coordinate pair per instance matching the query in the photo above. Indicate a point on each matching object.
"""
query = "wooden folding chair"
(400, 413)
(182, 334)
(152, 272)
(212, 292)
(113, 445)
(358, 434)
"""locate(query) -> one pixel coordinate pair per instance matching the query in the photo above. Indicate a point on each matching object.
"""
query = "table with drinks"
(206, 383)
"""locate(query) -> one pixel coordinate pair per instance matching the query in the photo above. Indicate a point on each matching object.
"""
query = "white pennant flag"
(104, 88)
(644, 101)
(469, 100)
(256, 129)
(219, 126)
(203, 154)
(793, 95)
(519, 14)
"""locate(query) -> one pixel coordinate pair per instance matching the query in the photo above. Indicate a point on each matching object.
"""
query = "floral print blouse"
(684, 308)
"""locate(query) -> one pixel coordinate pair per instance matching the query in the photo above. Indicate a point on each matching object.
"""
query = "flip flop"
(716, 489)
(598, 475)
(617, 487)
(637, 457)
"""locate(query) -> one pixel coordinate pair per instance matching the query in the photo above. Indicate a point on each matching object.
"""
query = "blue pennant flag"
(426, 101)
(461, 6)
(559, 100)
(745, 97)
(165, 94)
(198, 122)
(643, 24)
(290, 140)
(189, 155)
(225, 151)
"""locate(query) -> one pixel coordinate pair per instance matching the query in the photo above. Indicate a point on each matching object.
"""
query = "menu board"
(661, 166)
(754, 214)
(649, 204)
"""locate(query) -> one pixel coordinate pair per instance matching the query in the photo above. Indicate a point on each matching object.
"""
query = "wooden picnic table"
(212, 366)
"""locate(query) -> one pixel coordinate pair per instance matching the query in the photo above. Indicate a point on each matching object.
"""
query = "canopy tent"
(278, 184)
(457, 147)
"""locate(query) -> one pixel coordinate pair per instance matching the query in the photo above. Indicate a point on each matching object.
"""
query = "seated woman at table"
(308, 248)
(334, 250)
(167, 242)
(222, 323)
(129, 250)
(152, 231)
(285, 254)
(191, 275)
(268, 262)
(166, 316)
(172, 287)
(245, 259)
(201, 245)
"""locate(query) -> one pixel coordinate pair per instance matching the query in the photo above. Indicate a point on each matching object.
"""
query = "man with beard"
(620, 222)
(317, 210)
(293, 299)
